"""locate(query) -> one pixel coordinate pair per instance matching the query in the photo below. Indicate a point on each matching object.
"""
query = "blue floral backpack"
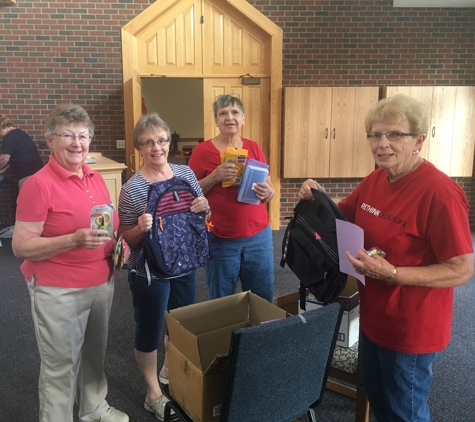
(178, 241)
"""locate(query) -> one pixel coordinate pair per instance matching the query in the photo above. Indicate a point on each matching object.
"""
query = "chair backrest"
(277, 370)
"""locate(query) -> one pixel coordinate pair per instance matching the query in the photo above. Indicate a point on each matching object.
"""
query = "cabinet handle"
(132, 163)
(433, 131)
(334, 133)
(326, 133)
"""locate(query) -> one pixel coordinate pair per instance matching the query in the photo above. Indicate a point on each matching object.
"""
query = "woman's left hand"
(371, 266)
(199, 204)
(264, 191)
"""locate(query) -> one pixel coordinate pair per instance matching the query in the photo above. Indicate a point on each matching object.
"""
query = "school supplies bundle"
(236, 156)
(310, 248)
(178, 241)
(254, 172)
(102, 218)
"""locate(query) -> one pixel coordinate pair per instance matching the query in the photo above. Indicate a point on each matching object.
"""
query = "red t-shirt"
(63, 202)
(419, 220)
(230, 218)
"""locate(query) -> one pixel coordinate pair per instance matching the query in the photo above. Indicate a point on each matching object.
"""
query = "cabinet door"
(307, 114)
(463, 140)
(424, 95)
(362, 158)
(350, 154)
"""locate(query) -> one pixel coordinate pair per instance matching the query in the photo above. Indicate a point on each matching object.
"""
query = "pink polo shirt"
(63, 202)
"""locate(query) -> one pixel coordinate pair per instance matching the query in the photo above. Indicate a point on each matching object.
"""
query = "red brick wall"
(52, 52)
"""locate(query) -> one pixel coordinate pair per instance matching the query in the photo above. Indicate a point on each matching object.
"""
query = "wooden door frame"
(133, 89)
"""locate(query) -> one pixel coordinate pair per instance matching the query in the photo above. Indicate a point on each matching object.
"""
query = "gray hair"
(395, 109)
(225, 100)
(149, 121)
(67, 113)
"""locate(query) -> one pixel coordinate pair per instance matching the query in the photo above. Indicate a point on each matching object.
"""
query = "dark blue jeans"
(250, 259)
(151, 302)
(397, 384)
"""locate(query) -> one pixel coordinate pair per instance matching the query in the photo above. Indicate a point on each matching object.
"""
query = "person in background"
(18, 151)
(418, 216)
(68, 268)
(241, 238)
(151, 139)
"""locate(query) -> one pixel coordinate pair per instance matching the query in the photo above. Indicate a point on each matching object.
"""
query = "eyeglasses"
(390, 136)
(150, 143)
(69, 137)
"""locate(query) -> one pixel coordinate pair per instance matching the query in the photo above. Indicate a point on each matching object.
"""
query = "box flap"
(261, 310)
(216, 343)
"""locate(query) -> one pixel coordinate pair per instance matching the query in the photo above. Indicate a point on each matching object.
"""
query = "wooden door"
(341, 133)
(255, 99)
(463, 140)
(307, 131)
(362, 157)
(424, 95)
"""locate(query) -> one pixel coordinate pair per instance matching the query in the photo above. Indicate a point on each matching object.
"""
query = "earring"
(415, 152)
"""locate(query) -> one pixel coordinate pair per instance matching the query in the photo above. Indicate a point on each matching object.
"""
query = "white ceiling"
(433, 3)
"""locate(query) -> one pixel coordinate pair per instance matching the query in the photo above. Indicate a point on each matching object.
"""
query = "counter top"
(104, 163)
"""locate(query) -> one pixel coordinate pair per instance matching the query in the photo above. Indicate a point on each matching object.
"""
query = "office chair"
(277, 370)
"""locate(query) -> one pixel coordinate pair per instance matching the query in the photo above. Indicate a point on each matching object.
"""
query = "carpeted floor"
(453, 386)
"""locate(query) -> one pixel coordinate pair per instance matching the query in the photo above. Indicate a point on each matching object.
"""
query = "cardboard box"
(200, 336)
(349, 299)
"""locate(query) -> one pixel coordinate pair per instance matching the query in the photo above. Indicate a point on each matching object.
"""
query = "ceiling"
(433, 3)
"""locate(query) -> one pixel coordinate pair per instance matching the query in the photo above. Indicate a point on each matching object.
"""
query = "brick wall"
(58, 51)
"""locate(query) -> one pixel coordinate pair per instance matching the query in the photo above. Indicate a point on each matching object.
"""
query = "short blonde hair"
(395, 109)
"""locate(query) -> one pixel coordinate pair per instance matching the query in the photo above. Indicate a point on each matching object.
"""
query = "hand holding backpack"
(178, 241)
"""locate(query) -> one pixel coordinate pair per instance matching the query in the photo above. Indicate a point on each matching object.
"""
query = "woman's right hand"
(226, 171)
(91, 239)
(306, 189)
(144, 222)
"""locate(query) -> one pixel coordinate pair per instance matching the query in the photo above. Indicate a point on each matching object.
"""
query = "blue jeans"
(151, 301)
(397, 384)
(249, 258)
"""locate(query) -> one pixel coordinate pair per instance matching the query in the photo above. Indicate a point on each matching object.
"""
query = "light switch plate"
(120, 143)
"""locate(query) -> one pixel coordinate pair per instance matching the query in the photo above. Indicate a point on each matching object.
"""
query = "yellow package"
(236, 156)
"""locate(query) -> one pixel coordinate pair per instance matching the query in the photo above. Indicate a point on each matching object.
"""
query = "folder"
(254, 172)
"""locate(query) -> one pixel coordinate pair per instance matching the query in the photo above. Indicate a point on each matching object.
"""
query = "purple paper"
(350, 237)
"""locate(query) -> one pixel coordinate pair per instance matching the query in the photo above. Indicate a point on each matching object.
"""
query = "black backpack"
(178, 241)
(310, 248)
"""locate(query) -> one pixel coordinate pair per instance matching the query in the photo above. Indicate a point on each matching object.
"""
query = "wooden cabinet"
(111, 172)
(451, 136)
(324, 134)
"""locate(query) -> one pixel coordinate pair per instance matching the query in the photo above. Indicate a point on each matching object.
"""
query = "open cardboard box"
(200, 336)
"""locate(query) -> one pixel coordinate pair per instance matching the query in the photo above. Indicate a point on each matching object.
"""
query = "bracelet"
(208, 211)
(391, 279)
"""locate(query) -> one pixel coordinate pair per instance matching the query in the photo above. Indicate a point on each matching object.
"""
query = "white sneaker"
(163, 378)
(157, 406)
(113, 415)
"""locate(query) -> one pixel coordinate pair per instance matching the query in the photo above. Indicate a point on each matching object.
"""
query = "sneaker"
(163, 378)
(113, 415)
(157, 406)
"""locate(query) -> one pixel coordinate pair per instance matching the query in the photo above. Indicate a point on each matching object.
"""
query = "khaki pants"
(71, 331)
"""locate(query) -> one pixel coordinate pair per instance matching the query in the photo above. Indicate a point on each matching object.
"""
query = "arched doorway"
(221, 42)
